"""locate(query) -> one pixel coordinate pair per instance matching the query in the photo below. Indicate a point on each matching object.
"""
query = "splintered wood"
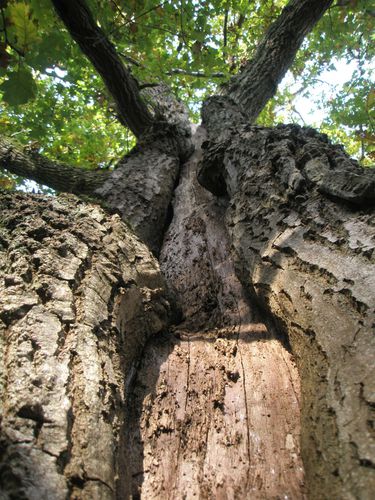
(215, 410)
(216, 419)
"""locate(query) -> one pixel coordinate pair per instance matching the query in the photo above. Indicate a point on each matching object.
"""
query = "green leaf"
(49, 52)
(19, 88)
(23, 30)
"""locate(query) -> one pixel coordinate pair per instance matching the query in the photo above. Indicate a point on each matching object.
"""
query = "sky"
(330, 82)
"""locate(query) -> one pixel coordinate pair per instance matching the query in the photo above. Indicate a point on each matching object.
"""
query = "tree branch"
(258, 80)
(197, 74)
(93, 42)
(59, 176)
(225, 31)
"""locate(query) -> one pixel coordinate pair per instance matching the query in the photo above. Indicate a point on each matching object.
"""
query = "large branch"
(55, 175)
(100, 51)
(258, 81)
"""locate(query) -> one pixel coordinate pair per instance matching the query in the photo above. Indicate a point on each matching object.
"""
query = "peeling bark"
(303, 238)
(80, 295)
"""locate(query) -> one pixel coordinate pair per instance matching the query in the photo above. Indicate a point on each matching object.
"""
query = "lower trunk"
(80, 296)
(302, 232)
(214, 410)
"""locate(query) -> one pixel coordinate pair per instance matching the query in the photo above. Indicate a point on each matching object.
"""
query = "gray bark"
(208, 418)
(79, 296)
(94, 43)
(59, 176)
(301, 222)
(141, 187)
(257, 82)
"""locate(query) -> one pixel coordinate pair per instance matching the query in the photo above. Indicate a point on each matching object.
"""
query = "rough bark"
(302, 230)
(79, 295)
(59, 176)
(141, 187)
(172, 128)
(257, 82)
(208, 417)
(100, 51)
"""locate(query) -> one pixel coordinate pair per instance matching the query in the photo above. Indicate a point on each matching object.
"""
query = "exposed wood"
(59, 176)
(215, 410)
(216, 418)
(302, 230)
(94, 43)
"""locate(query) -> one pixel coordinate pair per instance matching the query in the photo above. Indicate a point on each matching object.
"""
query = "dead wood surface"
(215, 407)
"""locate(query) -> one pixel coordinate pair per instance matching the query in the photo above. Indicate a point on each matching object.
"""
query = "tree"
(265, 242)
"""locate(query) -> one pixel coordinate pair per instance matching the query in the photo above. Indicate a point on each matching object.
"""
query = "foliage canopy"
(52, 97)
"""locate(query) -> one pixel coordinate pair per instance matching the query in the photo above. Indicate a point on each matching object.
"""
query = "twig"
(176, 71)
(225, 32)
(199, 74)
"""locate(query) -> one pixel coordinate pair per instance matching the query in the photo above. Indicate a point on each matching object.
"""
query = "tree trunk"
(302, 229)
(208, 418)
(80, 295)
(213, 410)
(289, 228)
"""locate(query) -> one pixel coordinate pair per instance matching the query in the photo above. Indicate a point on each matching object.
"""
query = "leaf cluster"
(51, 95)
